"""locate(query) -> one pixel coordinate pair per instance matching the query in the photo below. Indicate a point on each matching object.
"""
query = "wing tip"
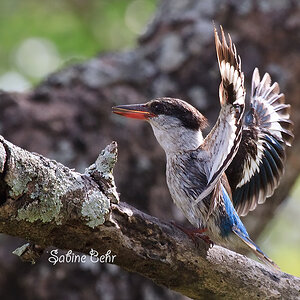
(273, 103)
(232, 85)
(226, 51)
(255, 81)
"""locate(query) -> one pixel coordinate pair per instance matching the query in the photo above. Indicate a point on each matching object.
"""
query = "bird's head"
(176, 124)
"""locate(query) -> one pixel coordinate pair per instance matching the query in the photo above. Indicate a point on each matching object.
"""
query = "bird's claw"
(207, 240)
(194, 234)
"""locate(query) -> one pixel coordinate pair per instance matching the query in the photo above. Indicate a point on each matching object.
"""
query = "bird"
(218, 178)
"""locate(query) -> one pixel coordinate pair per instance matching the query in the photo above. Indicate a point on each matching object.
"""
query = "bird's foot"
(195, 233)
(206, 239)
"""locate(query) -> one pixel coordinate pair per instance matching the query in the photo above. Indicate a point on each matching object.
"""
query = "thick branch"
(51, 205)
(68, 117)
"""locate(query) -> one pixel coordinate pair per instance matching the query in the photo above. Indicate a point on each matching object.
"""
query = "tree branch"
(51, 205)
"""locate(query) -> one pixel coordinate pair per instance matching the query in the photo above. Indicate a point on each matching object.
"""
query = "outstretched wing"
(256, 169)
(222, 143)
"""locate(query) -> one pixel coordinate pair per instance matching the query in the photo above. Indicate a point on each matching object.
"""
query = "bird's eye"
(155, 106)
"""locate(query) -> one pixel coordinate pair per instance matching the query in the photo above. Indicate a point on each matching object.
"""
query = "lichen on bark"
(95, 208)
(39, 186)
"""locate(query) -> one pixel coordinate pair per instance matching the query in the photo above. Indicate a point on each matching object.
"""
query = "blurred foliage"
(64, 31)
(281, 238)
(37, 37)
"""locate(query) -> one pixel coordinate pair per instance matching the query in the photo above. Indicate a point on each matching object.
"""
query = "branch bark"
(51, 205)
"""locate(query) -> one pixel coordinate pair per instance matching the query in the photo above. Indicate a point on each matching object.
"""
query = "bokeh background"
(41, 37)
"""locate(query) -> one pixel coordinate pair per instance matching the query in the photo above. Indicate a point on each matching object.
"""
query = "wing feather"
(222, 142)
(256, 170)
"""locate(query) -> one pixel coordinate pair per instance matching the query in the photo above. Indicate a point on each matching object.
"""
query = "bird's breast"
(185, 182)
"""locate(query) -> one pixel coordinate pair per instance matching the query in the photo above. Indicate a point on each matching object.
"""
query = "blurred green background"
(281, 238)
(34, 45)
(38, 37)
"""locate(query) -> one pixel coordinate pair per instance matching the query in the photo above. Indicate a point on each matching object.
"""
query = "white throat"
(176, 139)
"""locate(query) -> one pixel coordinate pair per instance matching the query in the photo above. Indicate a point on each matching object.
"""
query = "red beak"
(134, 111)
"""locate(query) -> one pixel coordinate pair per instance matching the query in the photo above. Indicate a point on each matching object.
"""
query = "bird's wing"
(257, 167)
(222, 142)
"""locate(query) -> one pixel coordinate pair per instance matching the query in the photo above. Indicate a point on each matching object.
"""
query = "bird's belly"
(185, 200)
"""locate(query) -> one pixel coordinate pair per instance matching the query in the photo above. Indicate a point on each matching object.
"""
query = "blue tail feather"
(232, 223)
(256, 250)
